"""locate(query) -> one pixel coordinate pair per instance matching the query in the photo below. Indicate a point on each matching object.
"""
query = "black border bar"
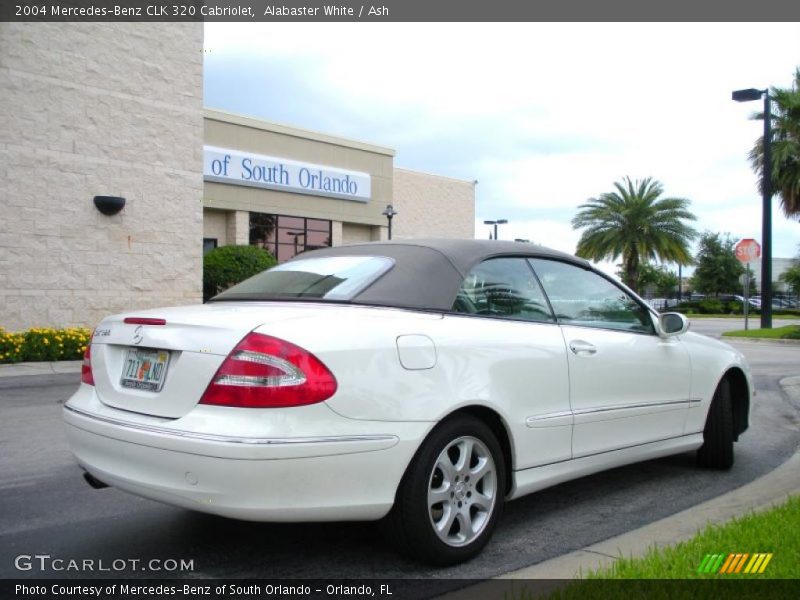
(398, 10)
(712, 587)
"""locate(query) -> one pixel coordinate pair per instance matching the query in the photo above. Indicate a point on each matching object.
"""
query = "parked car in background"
(784, 302)
(422, 383)
(741, 299)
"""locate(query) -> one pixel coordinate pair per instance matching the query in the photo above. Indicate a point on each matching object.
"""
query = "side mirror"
(672, 323)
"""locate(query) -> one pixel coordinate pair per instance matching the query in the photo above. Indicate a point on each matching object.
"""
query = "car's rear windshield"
(335, 278)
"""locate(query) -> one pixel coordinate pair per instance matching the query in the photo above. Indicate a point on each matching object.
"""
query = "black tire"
(410, 524)
(717, 449)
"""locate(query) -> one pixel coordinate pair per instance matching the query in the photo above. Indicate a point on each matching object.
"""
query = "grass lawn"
(787, 332)
(776, 531)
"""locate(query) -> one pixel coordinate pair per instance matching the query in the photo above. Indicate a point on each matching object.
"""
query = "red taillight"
(144, 321)
(267, 372)
(86, 366)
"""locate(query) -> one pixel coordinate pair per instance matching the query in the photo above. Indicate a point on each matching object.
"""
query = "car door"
(628, 386)
(516, 357)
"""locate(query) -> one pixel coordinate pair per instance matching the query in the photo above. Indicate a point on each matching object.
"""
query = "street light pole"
(496, 223)
(766, 202)
(766, 219)
(389, 213)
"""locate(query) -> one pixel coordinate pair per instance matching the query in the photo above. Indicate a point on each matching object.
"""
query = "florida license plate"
(145, 369)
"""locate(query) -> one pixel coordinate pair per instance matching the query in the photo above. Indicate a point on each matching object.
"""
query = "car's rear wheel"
(451, 495)
(717, 449)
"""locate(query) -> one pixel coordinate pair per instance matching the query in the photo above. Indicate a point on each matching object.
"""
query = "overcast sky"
(544, 116)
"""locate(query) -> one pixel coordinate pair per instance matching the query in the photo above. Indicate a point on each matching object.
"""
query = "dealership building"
(289, 190)
(98, 112)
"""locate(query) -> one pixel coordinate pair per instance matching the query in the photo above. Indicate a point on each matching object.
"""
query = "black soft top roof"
(428, 272)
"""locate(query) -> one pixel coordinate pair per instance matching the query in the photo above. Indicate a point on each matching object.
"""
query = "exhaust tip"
(94, 481)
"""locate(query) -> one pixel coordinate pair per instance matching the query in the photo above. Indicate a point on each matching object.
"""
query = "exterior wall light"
(109, 205)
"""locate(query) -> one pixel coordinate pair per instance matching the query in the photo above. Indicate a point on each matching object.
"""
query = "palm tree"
(634, 222)
(785, 146)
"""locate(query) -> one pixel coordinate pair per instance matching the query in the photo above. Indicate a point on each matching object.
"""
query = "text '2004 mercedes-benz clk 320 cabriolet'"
(421, 383)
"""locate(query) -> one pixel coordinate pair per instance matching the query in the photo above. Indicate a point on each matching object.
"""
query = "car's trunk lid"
(190, 345)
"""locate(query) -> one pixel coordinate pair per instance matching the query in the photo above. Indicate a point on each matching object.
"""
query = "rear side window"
(503, 287)
(326, 278)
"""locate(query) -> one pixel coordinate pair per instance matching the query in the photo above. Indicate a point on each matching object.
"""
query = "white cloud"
(544, 115)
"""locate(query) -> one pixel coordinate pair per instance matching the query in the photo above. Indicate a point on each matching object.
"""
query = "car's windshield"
(338, 278)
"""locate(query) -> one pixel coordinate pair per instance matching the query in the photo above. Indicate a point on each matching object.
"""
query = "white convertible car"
(423, 383)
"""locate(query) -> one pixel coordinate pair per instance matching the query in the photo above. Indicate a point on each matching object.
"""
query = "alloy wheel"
(462, 491)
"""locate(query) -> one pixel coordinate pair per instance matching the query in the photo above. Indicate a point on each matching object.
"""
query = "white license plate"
(145, 369)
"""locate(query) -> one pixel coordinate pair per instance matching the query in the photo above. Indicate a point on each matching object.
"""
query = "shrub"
(710, 306)
(688, 306)
(706, 306)
(794, 334)
(735, 307)
(43, 344)
(228, 265)
(11, 346)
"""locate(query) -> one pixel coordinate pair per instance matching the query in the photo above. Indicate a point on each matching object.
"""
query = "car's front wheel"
(717, 449)
(451, 495)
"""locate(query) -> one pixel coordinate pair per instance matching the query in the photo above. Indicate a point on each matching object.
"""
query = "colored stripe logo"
(751, 564)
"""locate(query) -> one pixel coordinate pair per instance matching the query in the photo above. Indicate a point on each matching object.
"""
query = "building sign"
(244, 168)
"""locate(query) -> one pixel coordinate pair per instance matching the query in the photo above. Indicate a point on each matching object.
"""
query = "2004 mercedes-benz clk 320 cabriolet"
(419, 382)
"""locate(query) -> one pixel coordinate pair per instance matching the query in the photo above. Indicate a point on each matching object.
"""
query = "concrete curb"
(40, 368)
(729, 338)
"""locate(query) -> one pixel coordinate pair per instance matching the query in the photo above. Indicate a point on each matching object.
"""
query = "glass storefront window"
(285, 237)
(318, 225)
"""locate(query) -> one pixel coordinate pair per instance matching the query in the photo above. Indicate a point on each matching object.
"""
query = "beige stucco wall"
(98, 109)
(353, 233)
(236, 132)
(432, 206)
(215, 225)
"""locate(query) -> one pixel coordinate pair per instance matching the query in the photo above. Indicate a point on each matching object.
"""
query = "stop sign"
(748, 250)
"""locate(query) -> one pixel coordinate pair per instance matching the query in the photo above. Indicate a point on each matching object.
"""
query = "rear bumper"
(343, 475)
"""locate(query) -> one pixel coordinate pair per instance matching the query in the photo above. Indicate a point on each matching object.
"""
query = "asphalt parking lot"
(46, 507)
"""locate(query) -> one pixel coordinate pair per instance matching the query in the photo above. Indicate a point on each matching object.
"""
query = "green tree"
(635, 223)
(228, 265)
(718, 270)
(656, 278)
(785, 146)
(791, 276)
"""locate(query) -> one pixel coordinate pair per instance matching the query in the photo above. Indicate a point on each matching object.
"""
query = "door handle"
(581, 347)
